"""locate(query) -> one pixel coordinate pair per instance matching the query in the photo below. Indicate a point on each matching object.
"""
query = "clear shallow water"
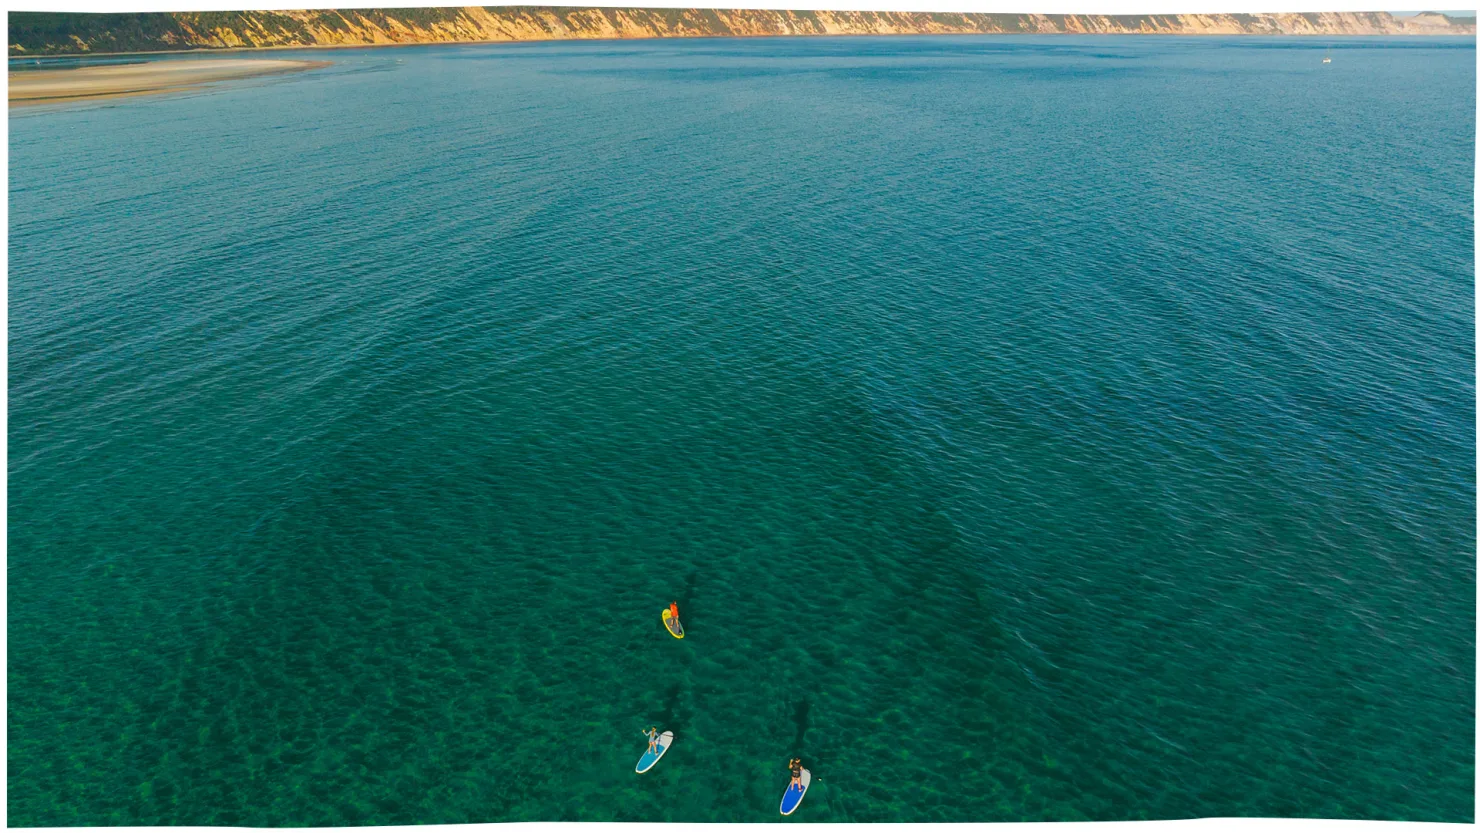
(1029, 429)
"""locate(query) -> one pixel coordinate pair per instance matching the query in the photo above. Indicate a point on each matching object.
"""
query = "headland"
(68, 33)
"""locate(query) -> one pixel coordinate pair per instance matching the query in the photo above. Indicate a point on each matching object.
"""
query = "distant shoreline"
(233, 50)
(37, 34)
(62, 86)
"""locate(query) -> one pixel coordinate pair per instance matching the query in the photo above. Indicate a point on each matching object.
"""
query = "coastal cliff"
(66, 33)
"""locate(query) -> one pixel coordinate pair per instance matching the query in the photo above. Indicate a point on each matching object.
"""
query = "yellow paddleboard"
(673, 625)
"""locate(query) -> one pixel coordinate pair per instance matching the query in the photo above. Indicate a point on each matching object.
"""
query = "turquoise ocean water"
(1028, 429)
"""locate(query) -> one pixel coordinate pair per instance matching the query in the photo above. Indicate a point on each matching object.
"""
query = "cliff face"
(44, 33)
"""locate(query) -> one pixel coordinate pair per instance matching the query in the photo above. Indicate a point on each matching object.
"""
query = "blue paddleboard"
(792, 798)
(649, 758)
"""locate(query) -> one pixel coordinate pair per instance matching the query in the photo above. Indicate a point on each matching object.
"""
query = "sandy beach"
(52, 86)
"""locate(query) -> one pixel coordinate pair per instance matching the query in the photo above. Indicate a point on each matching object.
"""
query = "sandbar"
(52, 86)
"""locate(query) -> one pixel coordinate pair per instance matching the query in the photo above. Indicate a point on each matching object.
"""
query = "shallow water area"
(1029, 428)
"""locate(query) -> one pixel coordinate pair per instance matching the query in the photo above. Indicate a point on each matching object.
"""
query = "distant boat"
(1327, 59)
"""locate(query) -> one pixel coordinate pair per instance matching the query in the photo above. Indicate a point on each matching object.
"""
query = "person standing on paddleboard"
(796, 771)
(652, 736)
(673, 613)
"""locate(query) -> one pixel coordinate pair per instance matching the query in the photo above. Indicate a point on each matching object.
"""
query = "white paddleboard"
(649, 758)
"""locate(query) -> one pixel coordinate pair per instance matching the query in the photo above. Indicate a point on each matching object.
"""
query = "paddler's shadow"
(687, 611)
(803, 717)
(668, 718)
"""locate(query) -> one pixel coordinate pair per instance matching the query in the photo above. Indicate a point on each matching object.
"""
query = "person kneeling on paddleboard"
(796, 771)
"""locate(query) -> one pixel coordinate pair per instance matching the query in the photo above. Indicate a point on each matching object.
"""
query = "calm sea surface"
(1028, 429)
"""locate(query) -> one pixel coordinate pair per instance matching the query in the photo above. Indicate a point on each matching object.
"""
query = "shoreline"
(61, 86)
(220, 50)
